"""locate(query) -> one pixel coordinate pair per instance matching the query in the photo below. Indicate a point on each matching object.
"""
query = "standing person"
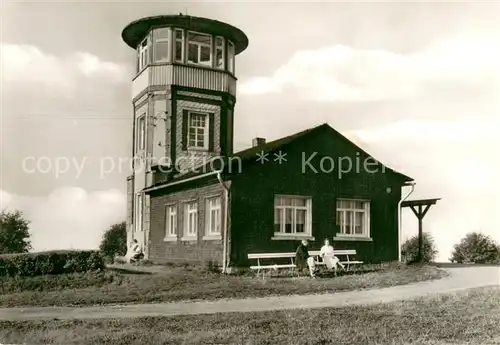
(328, 254)
(303, 260)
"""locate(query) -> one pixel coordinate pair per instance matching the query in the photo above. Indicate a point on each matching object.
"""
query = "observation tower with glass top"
(183, 97)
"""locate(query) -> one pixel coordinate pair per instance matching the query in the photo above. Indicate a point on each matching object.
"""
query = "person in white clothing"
(134, 253)
(328, 254)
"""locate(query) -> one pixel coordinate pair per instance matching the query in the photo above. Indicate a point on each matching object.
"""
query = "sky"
(415, 84)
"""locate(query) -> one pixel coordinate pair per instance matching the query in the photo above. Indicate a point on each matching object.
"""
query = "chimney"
(258, 142)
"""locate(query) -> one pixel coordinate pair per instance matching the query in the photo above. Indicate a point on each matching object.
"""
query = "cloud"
(460, 151)
(25, 66)
(40, 92)
(341, 73)
(57, 87)
(416, 129)
(78, 84)
(69, 217)
(60, 102)
(90, 65)
(449, 160)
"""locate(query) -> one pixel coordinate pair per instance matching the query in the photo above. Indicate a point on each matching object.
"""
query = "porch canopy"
(420, 208)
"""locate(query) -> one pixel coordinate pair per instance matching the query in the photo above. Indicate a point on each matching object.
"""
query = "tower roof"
(138, 29)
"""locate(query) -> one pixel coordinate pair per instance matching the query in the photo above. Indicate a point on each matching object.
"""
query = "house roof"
(275, 145)
(421, 202)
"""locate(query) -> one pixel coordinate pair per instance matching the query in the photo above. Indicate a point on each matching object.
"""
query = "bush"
(476, 248)
(52, 262)
(212, 267)
(59, 282)
(114, 241)
(409, 250)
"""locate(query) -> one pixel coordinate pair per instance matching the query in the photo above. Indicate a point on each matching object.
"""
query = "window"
(138, 210)
(292, 215)
(171, 221)
(219, 52)
(179, 45)
(200, 49)
(213, 217)
(161, 45)
(230, 56)
(353, 217)
(191, 219)
(141, 133)
(143, 54)
(198, 130)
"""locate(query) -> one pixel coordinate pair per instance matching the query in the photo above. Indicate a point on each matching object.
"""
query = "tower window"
(161, 45)
(230, 57)
(198, 130)
(141, 134)
(179, 45)
(143, 55)
(219, 52)
(200, 49)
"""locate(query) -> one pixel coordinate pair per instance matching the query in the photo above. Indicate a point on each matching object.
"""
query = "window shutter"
(185, 119)
(211, 137)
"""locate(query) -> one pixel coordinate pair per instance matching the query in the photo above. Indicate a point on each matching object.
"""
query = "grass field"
(464, 318)
(189, 283)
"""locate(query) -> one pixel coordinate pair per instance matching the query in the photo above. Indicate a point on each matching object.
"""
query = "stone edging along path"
(460, 279)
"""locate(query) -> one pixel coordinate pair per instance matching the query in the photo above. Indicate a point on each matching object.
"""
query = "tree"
(114, 241)
(476, 248)
(14, 233)
(409, 250)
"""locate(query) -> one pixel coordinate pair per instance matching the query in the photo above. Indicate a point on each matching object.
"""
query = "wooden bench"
(269, 256)
(349, 255)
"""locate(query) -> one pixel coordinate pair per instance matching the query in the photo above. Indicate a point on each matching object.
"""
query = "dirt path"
(460, 279)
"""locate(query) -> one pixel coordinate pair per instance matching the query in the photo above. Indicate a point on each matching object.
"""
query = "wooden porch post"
(420, 213)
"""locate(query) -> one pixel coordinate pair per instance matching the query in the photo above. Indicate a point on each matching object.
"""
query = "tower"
(183, 97)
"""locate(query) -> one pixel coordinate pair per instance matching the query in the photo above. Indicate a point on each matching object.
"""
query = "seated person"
(329, 258)
(303, 260)
(135, 253)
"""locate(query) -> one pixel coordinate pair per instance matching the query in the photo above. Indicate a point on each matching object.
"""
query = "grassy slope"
(175, 284)
(465, 318)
